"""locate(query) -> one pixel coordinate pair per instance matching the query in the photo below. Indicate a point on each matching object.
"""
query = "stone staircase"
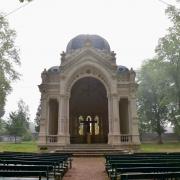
(90, 150)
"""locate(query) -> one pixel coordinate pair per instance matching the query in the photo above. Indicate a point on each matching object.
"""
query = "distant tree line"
(17, 124)
(159, 82)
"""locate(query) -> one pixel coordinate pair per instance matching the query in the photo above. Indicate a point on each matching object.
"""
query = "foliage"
(18, 124)
(159, 79)
(37, 118)
(8, 58)
(168, 50)
(152, 97)
(2, 127)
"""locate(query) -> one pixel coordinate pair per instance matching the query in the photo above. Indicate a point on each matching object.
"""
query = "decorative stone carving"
(63, 56)
(87, 43)
(44, 76)
(132, 75)
(113, 55)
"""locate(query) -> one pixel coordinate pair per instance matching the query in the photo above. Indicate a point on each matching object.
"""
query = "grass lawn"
(167, 147)
(30, 146)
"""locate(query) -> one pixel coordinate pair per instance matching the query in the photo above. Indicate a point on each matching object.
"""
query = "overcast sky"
(44, 28)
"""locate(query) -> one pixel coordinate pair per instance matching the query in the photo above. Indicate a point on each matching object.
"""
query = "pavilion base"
(89, 149)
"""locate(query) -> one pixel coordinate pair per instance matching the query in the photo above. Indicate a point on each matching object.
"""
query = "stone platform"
(88, 150)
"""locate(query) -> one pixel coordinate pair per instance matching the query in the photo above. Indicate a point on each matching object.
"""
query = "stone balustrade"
(51, 139)
(124, 138)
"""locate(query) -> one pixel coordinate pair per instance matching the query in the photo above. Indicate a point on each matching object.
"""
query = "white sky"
(44, 27)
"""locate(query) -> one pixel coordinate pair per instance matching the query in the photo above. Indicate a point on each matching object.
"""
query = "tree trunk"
(15, 139)
(159, 132)
(160, 141)
(179, 103)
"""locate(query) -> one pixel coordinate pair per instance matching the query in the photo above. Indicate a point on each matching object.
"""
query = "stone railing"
(51, 139)
(129, 139)
(126, 139)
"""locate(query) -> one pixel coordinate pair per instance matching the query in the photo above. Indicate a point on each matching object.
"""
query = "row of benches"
(143, 166)
(34, 165)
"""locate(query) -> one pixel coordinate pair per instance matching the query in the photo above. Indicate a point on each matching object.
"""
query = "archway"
(88, 112)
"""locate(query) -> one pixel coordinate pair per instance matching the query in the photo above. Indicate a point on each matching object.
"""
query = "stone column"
(130, 116)
(43, 121)
(109, 120)
(134, 123)
(67, 119)
(116, 122)
(115, 139)
(61, 119)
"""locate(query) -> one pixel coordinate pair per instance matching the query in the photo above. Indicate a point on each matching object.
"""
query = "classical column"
(134, 122)
(61, 120)
(130, 116)
(63, 129)
(115, 120)
(43, 120)
(109, 120)
(66, 119)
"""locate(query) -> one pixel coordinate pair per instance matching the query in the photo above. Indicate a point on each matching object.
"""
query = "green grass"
(30, 146)
(166, 147)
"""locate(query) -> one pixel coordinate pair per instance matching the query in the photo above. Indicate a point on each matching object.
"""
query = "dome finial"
(87, 43)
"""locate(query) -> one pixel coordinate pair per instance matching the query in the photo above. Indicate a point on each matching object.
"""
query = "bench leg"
(39, 177)
(58, 178)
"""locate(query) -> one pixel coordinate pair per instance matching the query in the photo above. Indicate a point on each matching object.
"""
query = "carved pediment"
(88, 54)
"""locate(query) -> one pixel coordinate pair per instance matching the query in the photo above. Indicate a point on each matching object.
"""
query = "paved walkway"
(84, 168)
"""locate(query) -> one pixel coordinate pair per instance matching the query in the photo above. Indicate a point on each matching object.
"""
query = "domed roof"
(79, 41)
(54, 69)
(122, 69)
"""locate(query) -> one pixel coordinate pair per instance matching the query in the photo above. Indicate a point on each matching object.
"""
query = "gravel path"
(84, 168)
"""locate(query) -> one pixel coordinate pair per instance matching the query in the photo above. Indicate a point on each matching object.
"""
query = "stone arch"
(88, 100)
(88, 69)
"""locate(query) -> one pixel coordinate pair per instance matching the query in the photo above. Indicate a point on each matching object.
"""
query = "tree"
(2, 127)
(152, 97)
(37, 118)
(18, 124)
(168, 50)
(8, 58)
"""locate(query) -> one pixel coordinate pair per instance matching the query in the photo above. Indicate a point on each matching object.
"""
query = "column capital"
(62, 95)
(124, 97)
(114, 95)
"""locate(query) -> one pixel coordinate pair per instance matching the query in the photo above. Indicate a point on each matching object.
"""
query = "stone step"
(89, 152)
(89, 146)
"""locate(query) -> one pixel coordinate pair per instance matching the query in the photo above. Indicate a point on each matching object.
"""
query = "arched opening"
(53, 116)
(88, 112)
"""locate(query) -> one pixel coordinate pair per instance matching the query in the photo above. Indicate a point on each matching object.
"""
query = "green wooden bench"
(23, 174)
(60, 161)
(159, 176)
(25, 171)
(120, 171)
(58, 171)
